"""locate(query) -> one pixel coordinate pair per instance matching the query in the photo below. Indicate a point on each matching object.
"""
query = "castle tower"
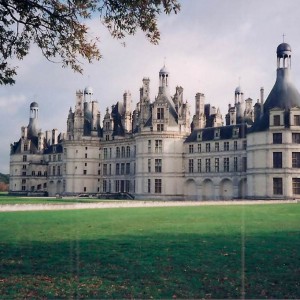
(199, 119)
(33, 120)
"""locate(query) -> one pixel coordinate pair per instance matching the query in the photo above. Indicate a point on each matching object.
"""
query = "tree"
(58, 28)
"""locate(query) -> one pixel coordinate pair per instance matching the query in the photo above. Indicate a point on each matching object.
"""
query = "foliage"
(59, 28)
(4, 178)
(182, 252)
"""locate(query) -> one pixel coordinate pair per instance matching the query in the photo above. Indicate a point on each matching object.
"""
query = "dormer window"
(160, 113)
(217, 133)
(276, 120)
(199, 136)
(235, 132)
(296, 120)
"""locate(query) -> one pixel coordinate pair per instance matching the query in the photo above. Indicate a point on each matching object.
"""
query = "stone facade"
(157, 151)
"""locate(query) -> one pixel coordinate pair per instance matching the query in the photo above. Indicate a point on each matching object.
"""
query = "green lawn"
(180, 252)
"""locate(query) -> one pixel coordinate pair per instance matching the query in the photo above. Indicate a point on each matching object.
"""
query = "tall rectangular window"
(127, 168)
(24, 158)
(149, 165)
(276, 120)
(104, 169)
(217, 165)
(296, 138)
(158, 165)
(235, 164)
(149, 186)
(191, 148)
(118, 152)
(123, 151)
(296, 160)
(199, 148)
(277, 160)
(158, 146)
(226, 164)
(191, 166)
(244, 164)
(158, 186)
(149, 146)
(296, 186)
(104, 186)
(277, 138)
(235, 145)
(105, 153)
(160, 127)
(277, 186)
(226, 146)
(117, 169)
(297, 120)
(199, 165)
(217, 146)
(122, 168)
(128, 151)
(207, 165)
(207, 147)
(160, 113)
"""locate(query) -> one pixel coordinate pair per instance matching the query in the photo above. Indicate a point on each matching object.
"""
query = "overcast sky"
(207, 47)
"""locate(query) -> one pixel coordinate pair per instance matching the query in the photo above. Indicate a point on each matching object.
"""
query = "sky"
(211, 46)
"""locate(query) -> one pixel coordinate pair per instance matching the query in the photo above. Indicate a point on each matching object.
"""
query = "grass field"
(180, 252)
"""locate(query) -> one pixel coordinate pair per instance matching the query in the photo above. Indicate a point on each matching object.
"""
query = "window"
(149, 146)
(23, 188)
(54, 157)
(191, 166)
(226, 146)
(296, 186)
(53, 170)
(226, 164)
(33, 173)
(160, 113)
(107, 137)
(149, 185)
(277, 159)
(104, 186)
(104, 169)
(235, 164)
(160, 127)
(277, 186)
(122, 168)
(24, 167)
(24, 158)
(244, 164)
(235, 145)
(109, 152)
(59, 157)
(84, 172)
(117, 185)
(118, 153)
(158, 146)
(207, 147)
(23, 181)
(244, 145)
(217, 146)
(25, 147)
(149, 165)
(217, 165)
(296, 120)
(128, 151)
(191, 148)
(296, 160)
(199, 148)
(277, 138)
(127, 168)
(276, 120)
(158, 165)
(296, 138)
(199, 166)
(85, 155)
(207, 165)
(105, 153)
(123, 151)
(58, 171)
(158, 184)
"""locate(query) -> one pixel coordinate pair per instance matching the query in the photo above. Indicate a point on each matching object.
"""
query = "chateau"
(158, 151)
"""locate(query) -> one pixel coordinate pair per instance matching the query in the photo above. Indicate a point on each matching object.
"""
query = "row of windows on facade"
(207, 168)
(278, 158)
(33, 188)
(278, 186)
(217, 148)
(217, 134)
(277, 120)
(277, 138)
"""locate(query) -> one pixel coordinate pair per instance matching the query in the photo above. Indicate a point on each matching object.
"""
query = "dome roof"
(283, 48)
(88, 90)
(164, 70)
(238, 90)
(34, 104)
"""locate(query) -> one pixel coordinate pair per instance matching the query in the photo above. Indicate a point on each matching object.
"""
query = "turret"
(33, 120)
